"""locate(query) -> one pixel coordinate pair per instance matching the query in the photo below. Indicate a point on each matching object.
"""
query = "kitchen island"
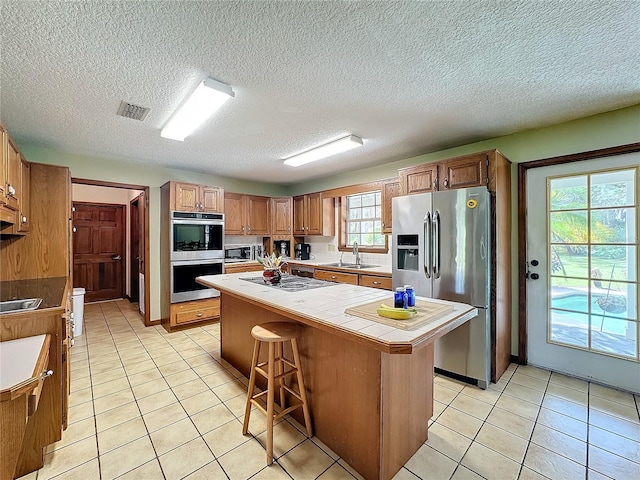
(370, 385)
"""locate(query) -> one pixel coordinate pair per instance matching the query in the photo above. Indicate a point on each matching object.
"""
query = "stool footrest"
(276, 377)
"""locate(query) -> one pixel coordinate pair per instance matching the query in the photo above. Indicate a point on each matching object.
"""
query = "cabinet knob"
(199, 314)
(24, 219)
(446, 183)
(11, 191)
(48, 373)
(75, 229)
(242, 228)
(248, 229)
(377, 283)
(333, 277)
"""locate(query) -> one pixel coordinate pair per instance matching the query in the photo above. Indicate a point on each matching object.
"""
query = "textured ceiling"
(408, 77)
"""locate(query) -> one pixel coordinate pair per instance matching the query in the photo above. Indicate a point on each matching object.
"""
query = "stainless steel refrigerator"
(441, 246)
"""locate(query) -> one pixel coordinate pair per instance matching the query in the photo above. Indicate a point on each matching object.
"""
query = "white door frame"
(522, 223)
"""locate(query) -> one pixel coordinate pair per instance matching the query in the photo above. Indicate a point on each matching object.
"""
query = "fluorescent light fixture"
(200, 105)
(326, 150)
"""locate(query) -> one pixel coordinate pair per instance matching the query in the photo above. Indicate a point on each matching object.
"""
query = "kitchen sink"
(349, 265)
(23, 305)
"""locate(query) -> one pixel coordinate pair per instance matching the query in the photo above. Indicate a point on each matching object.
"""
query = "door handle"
(116, 257)
(436, 244)
(426, 225)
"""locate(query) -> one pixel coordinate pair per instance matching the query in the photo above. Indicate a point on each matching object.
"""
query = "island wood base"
(370, 407)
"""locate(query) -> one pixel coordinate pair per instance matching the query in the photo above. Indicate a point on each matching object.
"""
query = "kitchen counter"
(51, 290)
(324, 308)
(370, 385)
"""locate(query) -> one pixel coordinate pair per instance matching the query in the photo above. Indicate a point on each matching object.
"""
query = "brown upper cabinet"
(463, 172)
(12, 186)
(390, 189)
(187, 197)
(458, 172)
(281, 215)
(418, 179)
(247, 214)
(25, 185)
(313, 215)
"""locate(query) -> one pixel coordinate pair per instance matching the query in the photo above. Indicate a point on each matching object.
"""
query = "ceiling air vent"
(132, 111)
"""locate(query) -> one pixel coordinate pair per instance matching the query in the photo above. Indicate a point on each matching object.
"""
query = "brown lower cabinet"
(375, 281)
(196, 311)
(338, 277)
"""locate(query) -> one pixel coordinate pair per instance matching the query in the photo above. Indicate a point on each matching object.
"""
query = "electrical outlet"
(331, 247)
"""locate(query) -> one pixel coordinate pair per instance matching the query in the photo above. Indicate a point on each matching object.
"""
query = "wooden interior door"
(98, 249)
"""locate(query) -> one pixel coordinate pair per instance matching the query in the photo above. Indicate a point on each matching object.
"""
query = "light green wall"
(618, 127)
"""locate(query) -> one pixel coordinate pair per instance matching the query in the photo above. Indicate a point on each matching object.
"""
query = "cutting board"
(427, 311)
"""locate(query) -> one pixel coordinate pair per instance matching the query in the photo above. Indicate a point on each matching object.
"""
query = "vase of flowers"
(272, 265)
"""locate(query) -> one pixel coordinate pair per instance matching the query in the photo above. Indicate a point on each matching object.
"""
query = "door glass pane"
(613, 189)
(568, 193)
(611, 263)
(569, 328)
(613, 336)
(570, 294)
(613, 226)
(569, 227)
(569, 261)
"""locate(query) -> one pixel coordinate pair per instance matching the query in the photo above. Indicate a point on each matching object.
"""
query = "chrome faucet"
(340, 262)
(355, 252)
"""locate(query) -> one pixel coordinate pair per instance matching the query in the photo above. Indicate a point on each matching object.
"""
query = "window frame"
(342, 225)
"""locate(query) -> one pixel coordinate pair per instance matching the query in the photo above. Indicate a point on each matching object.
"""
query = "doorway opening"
(111, 242)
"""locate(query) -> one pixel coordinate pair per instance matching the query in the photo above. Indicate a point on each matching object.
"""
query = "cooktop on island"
(291, 283)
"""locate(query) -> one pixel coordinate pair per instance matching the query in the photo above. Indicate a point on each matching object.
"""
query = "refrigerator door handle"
(426, 224)
(436, 244)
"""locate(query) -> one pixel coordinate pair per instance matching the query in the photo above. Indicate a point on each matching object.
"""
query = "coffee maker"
(303, 251)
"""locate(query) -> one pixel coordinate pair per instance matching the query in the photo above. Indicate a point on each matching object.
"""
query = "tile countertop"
(381, 269)
(324, 308)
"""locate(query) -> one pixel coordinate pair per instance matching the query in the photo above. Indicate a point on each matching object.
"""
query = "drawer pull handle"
(377, 283)
(199, 314)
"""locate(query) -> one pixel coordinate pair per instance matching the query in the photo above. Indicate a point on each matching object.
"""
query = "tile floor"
(147, 404)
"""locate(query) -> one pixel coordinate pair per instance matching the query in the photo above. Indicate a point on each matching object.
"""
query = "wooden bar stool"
(275, 334)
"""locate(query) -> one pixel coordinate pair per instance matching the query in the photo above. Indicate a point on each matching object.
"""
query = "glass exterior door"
(582, 292)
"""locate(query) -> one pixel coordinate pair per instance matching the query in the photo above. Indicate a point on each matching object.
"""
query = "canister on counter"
(411, 295)
(400, 298)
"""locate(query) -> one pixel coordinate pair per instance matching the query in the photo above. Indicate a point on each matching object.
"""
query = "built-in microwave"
(183, 279)
(242, 252)
(195, 235)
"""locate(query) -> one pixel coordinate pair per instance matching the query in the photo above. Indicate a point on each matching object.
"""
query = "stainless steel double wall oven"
(197, 248)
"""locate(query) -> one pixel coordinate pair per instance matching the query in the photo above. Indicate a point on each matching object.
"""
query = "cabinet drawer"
(243, 267)
(375, 282)
(338, 277)
(196, 311)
